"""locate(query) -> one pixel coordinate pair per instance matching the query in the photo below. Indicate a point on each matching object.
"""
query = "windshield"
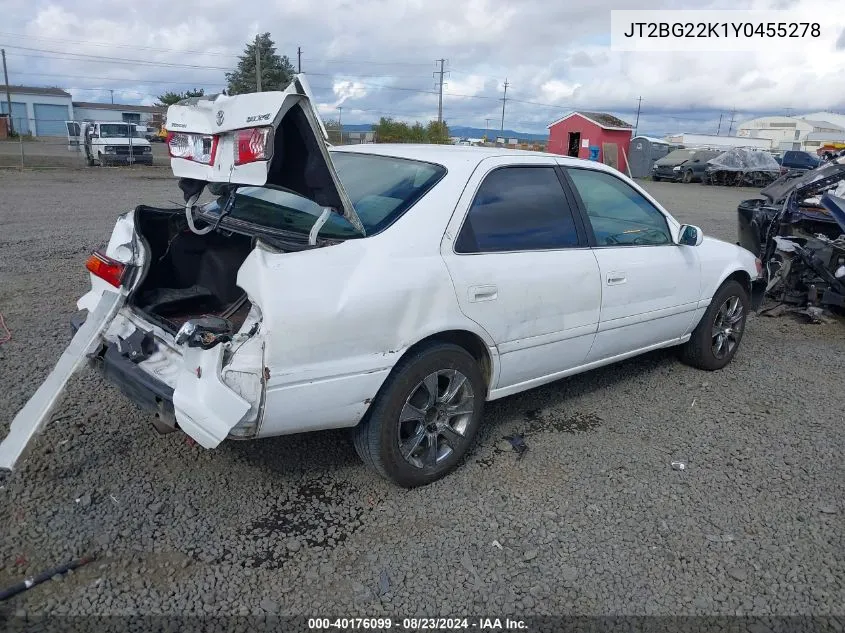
(677, 157)
(118, 130)
(381, 189)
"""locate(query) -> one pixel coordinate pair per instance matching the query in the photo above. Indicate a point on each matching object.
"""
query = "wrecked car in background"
(741, 167)
(797, 229)
(389, 289)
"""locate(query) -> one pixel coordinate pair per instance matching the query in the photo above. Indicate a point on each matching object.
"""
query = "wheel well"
(742, 277)
(472, 343)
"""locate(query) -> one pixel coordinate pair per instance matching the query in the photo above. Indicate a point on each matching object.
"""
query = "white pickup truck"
(108, 143)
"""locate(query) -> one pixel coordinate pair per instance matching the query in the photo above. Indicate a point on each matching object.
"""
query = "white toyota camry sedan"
(390, 289)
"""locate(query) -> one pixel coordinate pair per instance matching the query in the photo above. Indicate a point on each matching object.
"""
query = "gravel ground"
(592, 520)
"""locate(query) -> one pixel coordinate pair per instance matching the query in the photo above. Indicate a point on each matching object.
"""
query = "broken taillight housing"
(106, 268)
(253, 144)
(200, 148)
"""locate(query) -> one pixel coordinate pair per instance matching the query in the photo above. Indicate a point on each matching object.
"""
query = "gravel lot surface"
(592, 520)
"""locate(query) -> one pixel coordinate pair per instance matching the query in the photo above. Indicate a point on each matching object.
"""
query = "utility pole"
(257, 66)
(340, 122)
(298, 59)
(733, 115)
(504, 100)
(637, 124)
(112, 95)
(440, 90)
(487, 130)
(719, 129)
(8, 92)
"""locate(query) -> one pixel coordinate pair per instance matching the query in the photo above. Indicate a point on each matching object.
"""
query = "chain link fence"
(45, 144)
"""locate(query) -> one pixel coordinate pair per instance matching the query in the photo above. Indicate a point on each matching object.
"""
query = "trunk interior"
(189, 275)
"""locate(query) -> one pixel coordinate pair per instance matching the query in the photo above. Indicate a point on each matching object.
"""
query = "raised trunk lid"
(299, 144)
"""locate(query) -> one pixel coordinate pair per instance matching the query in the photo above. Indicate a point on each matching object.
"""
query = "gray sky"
(376, 57)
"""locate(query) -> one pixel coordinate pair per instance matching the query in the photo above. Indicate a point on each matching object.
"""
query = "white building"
(37, 111)
(143, 115)
(716, 142)
(788, 133)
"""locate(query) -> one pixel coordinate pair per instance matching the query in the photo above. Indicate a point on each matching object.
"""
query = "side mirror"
(690, 235)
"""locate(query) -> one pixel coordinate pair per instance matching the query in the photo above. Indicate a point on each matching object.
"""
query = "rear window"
(381, 189)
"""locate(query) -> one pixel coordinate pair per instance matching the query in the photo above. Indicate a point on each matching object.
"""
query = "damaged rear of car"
(797, 231)
(174, 314)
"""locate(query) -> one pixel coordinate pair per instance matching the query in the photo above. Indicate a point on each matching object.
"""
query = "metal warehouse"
(37, 111)
(140, 114)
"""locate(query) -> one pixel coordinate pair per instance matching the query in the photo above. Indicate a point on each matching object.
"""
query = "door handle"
(616, 278)
(483, 293)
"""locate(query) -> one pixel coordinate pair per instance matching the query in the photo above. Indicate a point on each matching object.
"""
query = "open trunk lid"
(296, 144)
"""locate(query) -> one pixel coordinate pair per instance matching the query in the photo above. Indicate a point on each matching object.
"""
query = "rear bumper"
(115, 159)
(148, 393)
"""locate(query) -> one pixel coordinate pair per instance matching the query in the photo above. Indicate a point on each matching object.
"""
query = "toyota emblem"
(220, 117)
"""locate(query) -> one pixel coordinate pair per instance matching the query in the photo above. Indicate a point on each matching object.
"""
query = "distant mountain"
(478, 132)
(462, 131)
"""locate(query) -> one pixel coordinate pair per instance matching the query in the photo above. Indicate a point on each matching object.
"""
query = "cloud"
(376, 58)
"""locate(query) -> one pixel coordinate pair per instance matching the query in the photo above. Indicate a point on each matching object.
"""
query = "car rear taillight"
(253, 144)
(200, 148)
(106, 268)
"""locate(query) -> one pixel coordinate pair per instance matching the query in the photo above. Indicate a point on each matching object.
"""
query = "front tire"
(716, 338)
(687, 179)
(425, 417)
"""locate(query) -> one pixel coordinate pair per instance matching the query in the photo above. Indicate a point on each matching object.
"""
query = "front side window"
(618, 214)
(518, 209)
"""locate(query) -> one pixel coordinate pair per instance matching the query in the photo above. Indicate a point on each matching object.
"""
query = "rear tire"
(413, 436)
(715, 340)
(656, 178)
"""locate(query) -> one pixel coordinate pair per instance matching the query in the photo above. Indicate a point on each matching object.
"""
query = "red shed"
(575, 133)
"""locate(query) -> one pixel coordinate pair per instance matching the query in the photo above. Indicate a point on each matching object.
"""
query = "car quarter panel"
(337, 319)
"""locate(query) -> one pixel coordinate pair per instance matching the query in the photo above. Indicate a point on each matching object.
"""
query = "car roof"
(453, 155)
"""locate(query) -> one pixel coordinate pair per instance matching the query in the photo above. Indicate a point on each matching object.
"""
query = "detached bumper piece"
(758, 293)
(35, 413)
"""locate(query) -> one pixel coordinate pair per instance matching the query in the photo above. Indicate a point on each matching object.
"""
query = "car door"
(651, 285)
(74, 136)
(517, 252)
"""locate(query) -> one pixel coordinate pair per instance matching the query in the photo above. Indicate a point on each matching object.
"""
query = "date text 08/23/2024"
(416, 624)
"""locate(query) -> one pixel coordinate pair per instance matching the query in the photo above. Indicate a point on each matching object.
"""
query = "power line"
(112, 60)
(504, 101)
(116, 45)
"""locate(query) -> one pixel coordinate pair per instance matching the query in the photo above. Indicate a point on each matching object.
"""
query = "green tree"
(334, 131)
(276, 70)
(169, 98)
(388, 130)
(438, 132)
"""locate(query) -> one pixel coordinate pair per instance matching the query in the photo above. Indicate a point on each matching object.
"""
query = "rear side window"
(518, 209)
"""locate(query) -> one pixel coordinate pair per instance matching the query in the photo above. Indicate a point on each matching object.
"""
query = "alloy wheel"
(434, 420)
(727, 327)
